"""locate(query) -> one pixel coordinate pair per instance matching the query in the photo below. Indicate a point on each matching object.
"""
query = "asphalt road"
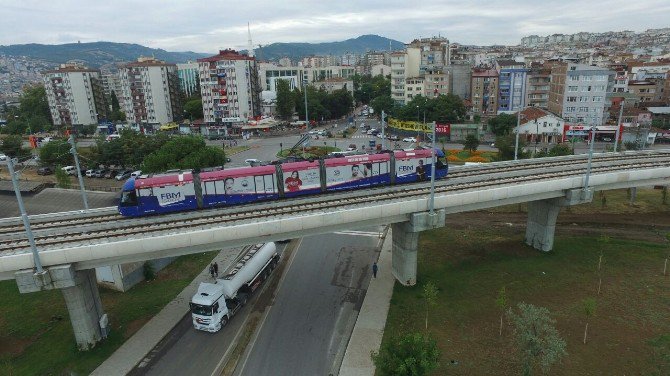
(308, 326)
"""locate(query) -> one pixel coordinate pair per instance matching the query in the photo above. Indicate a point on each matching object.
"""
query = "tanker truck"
(215, 303)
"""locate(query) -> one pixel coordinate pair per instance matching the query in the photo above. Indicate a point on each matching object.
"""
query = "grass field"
(469, 262)
(36, 336)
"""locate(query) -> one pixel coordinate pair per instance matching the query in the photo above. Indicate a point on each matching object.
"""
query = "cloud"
(208, 26)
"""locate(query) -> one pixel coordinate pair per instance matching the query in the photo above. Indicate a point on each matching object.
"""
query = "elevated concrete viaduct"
(69, 268)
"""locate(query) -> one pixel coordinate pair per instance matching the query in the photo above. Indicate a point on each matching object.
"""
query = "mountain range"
(98, 54)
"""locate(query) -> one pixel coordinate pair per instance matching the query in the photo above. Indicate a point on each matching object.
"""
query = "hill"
(358, 45)
(95, 54)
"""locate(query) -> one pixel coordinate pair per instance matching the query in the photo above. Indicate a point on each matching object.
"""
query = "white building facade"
(75, 95)
(150, 92)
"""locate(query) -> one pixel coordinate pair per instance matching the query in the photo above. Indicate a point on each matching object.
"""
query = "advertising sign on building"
(442, 129)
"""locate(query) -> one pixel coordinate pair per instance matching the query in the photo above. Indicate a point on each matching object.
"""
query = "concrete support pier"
(542, 215)
(405, 243)
(82, 298)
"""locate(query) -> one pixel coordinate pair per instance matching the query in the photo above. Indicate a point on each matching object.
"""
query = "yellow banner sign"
(409, 125)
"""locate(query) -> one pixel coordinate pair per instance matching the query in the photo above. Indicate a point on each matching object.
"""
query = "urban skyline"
(171, 28)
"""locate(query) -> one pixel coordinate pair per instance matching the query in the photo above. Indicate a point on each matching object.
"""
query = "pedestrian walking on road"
(374, 269)
(211, 270)
(216, 269)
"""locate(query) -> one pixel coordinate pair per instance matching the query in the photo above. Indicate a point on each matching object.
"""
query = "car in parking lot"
(122, 175)
(111, 174)
(394, 138)
(45, 171)
(89, 173)
(3, 157)
(252, 161)
(409, 139)
(607, 139)
(135, 174)
(99, 173)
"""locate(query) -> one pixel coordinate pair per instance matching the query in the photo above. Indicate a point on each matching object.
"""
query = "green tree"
(501, 302)
(193, 108)
(62, 178)
(56, 152)
(589, 309)
(471, 143)
(506, 145)
(409, 355)
(383, 103)
(285, 100)
(13, 146)
(538, 342)
(560, 149)
(502, 124)
(430, 295)
(187, 152)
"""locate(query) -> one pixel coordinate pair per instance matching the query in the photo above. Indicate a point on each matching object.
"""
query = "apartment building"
(414, 86)
(577, 92)
(460, 77)
(189, 82)
(404, 64)
(511, 85)
(380, 69)
(336, 83)
(650, 90)
(484, 89)
(150, 91)
(434, 52)
(372, 59)
(621, 78)
(436, 82)
(229, 87)
(112, 84)
(269, 73)
(75, 95)
(537, 87)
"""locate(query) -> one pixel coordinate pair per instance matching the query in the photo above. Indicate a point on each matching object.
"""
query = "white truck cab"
(214, 304)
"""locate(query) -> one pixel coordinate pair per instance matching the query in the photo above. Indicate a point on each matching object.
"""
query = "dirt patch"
(133, 326)
(13, 347)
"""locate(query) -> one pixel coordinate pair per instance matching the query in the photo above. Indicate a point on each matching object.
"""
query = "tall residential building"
(372, 59)
(112, 84)
(75, 95)
(229, 87)
(460, 74)
(404, 65)
(414, 86)
(537, 87)
(484, 89)
(577, 92)
(511, 85)
(150, 92)
(189, 83)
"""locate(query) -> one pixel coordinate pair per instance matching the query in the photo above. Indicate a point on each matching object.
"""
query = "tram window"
(129, 198)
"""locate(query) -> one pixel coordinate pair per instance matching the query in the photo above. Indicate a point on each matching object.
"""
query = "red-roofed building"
(230, 88)
(540, 125)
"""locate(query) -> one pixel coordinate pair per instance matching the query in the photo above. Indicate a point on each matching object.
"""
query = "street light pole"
(383, 134)
(516, 143)
(73, 150)
(432, 175)
(24, 216)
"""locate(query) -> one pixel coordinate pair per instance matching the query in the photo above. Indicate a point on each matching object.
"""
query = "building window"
(573, 88)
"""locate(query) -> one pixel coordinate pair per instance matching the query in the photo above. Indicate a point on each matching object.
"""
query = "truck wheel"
(224, 321)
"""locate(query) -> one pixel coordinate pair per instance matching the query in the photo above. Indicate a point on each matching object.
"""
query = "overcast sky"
(206, 26)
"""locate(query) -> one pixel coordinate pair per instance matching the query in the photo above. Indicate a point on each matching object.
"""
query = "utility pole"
(73, 150)
(24, 216)
(618, 125)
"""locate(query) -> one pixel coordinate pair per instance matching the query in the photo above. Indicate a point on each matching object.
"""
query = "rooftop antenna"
(251, 46)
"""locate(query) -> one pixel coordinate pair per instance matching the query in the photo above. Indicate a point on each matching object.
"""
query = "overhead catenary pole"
(304, 82)
(516, 143)
(383, 135)
(24, 216)
(618, 126)
(588, 164)
(73, 150)
(432, 175)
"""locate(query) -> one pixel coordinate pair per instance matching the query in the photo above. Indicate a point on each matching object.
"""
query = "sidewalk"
(369, 328)
(134, 350)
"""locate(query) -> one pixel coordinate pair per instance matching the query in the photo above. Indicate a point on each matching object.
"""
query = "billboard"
(171, 194)
(295, 181)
